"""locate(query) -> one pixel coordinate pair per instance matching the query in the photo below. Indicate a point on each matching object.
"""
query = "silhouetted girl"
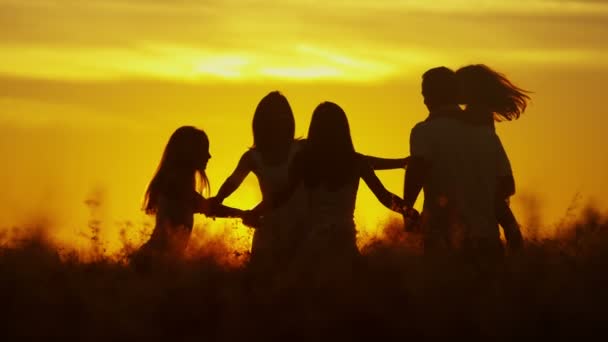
(489, 96)
(174, 194)
(328, 169)
(274, 147)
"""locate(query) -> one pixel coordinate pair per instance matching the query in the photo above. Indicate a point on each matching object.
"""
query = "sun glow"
(300, 62)
(90, 91)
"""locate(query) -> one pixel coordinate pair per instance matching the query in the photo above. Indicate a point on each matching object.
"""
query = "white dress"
(331, 222)
(281, 228)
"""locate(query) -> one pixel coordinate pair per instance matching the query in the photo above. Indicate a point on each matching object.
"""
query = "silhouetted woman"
(274, 147)
(328, 169)
(174, 194)
(489, 96)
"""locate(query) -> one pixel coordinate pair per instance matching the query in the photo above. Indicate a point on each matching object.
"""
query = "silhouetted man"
(457, 166)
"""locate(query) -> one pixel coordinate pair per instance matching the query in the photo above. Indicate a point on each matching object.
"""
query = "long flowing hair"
(181, 169)
(483, 87)
(329, 152)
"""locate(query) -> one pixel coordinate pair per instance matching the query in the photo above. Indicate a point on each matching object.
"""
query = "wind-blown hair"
(329, 153)
(481, 86)
(182, 168)
(273, 124)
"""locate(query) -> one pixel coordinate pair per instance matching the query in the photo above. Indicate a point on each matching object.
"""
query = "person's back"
(282, 227)
(173, 195)
(328, 170)
(274, 145)
(173, 222)
(272, 177)
(490, 96)
(456, 164)
(459, 192)
(331, 208)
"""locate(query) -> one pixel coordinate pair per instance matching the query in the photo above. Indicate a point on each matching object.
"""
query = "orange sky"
(91, 90)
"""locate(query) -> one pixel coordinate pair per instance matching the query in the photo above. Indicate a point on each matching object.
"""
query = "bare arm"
(415, 176)
(212, 209)
(232, 183)
(419, 164)
(386, 163)
(388, 199)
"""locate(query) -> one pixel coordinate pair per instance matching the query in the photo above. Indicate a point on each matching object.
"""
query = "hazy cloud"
(362, 40)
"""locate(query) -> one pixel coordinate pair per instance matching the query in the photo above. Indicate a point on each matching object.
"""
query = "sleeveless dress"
(274, 241)
(330, 220)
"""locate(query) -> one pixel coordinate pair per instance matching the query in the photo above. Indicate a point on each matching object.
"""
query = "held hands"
(252, 219)
(398, 205)
(410, 215)
(411, 222)
(214, 204)
(410, 219)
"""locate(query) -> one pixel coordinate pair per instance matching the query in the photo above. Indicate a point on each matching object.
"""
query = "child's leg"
(509, 224)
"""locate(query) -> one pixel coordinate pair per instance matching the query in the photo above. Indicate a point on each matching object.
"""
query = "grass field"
(556, 288)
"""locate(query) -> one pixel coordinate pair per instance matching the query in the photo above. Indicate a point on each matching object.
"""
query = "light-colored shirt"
(466, 161)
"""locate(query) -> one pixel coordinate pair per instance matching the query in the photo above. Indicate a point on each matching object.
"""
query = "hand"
(252, 219)
(411, 220)
(409, 225)
(215, 200)
(214, 204)
(411, 213)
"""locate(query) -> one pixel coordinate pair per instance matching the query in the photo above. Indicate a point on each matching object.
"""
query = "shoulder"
(250, 159)
(422, 130)
(424, 137)
(360, 158)
(249, 154)
(362, 162)
(300, 158)
(421, 126)
(429, 126)
(296, 147)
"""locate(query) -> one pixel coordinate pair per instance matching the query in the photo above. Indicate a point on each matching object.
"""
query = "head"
(329, 131)
(439, 87)
(330, 153)
(273, 123)
(482, 87)
(182, 166)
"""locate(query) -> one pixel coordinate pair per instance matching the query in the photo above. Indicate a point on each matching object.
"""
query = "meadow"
(555, 288)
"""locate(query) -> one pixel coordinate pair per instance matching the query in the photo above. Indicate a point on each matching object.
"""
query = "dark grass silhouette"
(555, 288)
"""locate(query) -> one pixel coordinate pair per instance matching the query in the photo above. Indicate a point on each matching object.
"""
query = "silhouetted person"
(274, 147)
(174, 194)
(328, 169)
(489, 96)
(457, 164)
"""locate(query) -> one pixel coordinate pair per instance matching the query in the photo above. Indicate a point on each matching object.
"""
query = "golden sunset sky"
(91, 90)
